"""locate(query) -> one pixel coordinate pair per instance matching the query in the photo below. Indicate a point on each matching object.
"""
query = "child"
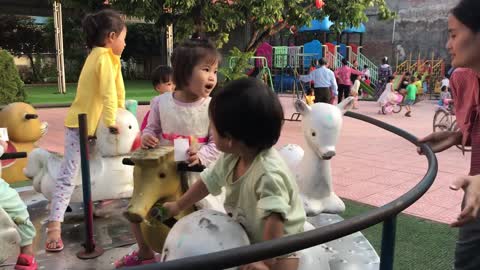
(17, 210)
(182, 113)
(262, 195)
(162, 80)
(310, 98)
(410, 97)
(100, 89)
(354, 90)
(388, 93)
(445, 97)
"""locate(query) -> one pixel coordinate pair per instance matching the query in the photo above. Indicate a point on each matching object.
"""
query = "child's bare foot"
(54, 237)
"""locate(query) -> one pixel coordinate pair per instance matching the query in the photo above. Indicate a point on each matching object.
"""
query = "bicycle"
(444, 120)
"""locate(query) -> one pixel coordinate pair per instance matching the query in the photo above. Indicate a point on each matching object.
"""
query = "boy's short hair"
(161, 74)
(248, 111)
(189, 54)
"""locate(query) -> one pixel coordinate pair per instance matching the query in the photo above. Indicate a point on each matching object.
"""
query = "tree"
(217, 18)
(11, 87)
(21, 36)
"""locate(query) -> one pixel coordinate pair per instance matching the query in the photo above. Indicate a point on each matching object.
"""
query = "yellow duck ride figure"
(24, 130)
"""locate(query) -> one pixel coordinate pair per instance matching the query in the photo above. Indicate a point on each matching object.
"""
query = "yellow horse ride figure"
(155, 180)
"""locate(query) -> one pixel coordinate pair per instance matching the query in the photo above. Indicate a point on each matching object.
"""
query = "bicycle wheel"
(454, 127)
(384, 109)
(442, 121)
(397, 108)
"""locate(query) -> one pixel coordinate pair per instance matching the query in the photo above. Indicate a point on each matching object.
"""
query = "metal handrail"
(277, 247)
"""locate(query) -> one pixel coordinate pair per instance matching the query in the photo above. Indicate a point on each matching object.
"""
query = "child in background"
(17, 210)
(354, 91)
(181, 114)
(388, 94)
(162, 80)
(445, 97)
(100, 90)
(262, 194)
(410, 97)
(310, 98)
(419, 85)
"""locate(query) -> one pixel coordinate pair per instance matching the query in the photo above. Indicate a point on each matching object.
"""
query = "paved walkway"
(372, 166)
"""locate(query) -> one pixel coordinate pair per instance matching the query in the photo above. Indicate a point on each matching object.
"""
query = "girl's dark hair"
(467, 13)
(161, 74)
(189, 54)
(248, 111)
(391, 78)
(344, 62)
(97, 26)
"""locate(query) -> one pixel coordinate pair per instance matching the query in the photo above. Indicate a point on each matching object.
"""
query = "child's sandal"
(132, 259)
(31, 263)
(58, 243)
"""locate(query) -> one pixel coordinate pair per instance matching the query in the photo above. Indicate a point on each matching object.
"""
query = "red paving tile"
(372, 166)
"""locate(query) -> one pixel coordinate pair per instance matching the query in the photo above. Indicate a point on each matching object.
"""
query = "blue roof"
(316, 25)
(359, 29)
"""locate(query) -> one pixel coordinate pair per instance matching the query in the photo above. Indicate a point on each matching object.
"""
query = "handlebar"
(13, 155)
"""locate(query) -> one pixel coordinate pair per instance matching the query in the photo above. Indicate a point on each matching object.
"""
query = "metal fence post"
(388, 243)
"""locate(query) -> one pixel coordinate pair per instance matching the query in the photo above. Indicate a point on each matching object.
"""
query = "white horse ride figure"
(321, 124)
(207, 231)
(110, 179)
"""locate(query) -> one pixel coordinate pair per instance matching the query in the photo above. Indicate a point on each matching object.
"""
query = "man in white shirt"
(324, 80)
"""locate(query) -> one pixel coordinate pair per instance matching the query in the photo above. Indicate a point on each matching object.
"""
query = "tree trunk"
(34, 68)
(256, 39)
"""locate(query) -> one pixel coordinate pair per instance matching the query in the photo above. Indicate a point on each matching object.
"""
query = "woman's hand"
(149, 141)
(471, 187)
(440, 141)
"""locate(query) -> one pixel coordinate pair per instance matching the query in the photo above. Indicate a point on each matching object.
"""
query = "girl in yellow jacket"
(100, 90)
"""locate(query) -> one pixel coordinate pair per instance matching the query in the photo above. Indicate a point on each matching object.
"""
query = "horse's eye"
(313, 133)
(161, 175)
(130, 127)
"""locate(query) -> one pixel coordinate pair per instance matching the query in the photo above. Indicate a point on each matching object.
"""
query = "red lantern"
(319, 4)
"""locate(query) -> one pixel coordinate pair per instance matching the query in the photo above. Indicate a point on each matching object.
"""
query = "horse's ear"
(301, 107)
(346, 104)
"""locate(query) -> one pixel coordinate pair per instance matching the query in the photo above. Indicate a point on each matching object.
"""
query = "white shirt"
(446, 82)
(321, 77)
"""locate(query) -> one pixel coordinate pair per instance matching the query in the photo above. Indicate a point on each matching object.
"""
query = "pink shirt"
(464, 83)
(343, 74)
(170, 118)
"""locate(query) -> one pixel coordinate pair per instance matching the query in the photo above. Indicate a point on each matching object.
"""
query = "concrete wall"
(421, 27)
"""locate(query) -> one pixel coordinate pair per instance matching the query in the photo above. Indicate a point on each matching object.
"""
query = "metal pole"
(91, 251)
(388, 243)
(58, 26)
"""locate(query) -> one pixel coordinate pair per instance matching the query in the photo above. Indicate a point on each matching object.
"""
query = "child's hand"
(471, 187)
(149, 141)
(440, 141)
(255, 266)
(172, 208)
(192, 156)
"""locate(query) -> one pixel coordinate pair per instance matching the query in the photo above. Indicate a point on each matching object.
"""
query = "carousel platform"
(112, 233)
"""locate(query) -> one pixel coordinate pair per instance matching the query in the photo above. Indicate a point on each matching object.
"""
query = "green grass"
(420, 244)
(48, 94)
(21, 184)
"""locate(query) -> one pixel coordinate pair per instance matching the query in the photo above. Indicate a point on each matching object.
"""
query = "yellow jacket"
(100, 89)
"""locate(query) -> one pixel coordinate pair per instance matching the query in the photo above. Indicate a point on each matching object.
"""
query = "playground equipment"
(321, 126)
(110, 179)
(418, 66)
(24, 130)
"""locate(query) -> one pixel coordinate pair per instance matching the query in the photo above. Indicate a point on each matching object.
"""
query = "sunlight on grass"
(48, 94)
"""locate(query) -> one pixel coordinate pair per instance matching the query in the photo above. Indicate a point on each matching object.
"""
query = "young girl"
(262, 195)
(100, 89)
(182, 113)
(310, 98)
(387, 94)
(162, 80)
(354, 90)
(17, 210)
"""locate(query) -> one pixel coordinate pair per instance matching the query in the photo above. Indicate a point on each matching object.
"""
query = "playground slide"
(397, 81)
(367, 88)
